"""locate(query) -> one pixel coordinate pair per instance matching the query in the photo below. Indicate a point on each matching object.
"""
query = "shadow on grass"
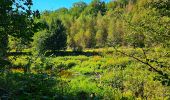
(18, 53)
(26, 86)
(59, 53)
(72, 53)
(29, 86)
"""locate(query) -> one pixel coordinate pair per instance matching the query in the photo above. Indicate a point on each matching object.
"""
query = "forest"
(116, 50)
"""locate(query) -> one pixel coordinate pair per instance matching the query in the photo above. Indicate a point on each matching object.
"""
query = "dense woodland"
(134, 23)
(117, 50)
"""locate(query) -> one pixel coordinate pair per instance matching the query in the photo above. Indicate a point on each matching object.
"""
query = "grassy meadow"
(90, 75)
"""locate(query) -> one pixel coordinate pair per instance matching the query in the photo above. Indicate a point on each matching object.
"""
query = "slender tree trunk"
(3, 47)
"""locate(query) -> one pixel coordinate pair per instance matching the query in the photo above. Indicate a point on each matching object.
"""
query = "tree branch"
(144, 62)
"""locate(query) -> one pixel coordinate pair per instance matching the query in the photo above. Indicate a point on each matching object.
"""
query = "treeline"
(137, 23)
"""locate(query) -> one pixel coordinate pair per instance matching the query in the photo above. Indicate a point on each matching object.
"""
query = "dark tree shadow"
(59, 53)
(26, 86)
(72, 53)
(18, 53)
(41, 86)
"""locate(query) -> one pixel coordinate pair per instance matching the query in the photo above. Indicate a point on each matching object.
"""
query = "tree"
(90, 32)
(62, 11)
(17, 20)
(98, 6)
(101, 31)
(79, 41)
(148, 28)
(58, 37)
(149, 23)
(53, 39)
(77, 8)
(95, 7)
(112, 5)
(82, 34)
(115, 32)
(122, 3)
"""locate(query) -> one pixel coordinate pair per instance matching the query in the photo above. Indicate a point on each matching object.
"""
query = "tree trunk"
(3, 47)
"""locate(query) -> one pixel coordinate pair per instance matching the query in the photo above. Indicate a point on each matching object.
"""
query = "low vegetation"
(118, 50)
(108, 75)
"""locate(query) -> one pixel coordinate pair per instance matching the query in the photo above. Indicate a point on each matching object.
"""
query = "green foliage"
(137, 23)
(145, 29)
(39, 42)
(26, 86)
(57, 38)
(16, 20)
(97, 6)
(78, 8)
(110, 75)
(138, 69)
(53, 39)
